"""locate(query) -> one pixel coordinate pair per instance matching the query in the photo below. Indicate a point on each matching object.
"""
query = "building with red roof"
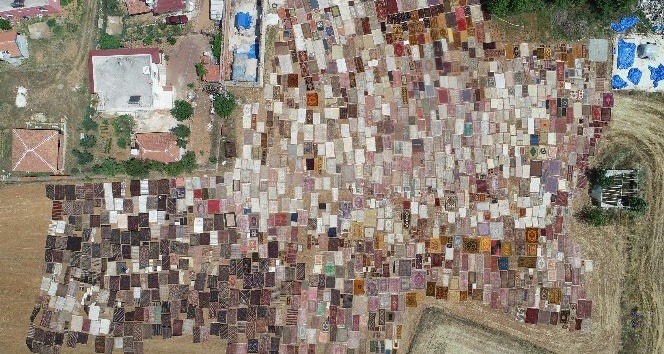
(166, 6)
(160, 147)
(37, 150)
(8, 44)
(29, 8)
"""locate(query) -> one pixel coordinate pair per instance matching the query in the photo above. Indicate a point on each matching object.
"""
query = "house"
(137, 7)
(166, 6)
(624, 185)
(13, 47)
(16, 9)
(37, 150)
(129, 80)
(160, 147)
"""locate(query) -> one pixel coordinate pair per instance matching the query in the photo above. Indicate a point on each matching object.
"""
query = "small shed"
(624, 186)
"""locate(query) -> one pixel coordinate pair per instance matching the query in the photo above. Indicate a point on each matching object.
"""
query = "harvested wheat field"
(456, 335)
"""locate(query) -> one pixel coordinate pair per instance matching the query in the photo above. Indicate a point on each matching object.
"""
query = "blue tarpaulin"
(656, 74)
(634, 75)
(253, 52)
(625, 24)
(617, 82)
(626, 52)
(243, 19)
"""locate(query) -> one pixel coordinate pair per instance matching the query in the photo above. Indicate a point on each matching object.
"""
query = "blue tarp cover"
(617, 82)
(656, 74)
(625, 24)
(243, 19)
(253, 52)
(626, 52)
(634, 75)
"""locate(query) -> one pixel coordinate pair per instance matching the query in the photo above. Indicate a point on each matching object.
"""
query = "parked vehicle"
(177, 20)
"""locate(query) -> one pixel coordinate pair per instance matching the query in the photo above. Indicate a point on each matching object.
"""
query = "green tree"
(216, 45)
(186, 164)
(598, 177)
(637, 204)
(182, 110)
(593, 215)
(82, 157)
(224, 104)
(171, 40)
(137, 168)
(200, 69)
(499, 7)
(107, 41)
(109, 167)
(148, 40)
(5, 25)
(88, 141)
(182, 132)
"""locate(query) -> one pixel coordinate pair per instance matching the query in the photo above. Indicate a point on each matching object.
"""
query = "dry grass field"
(55, 74)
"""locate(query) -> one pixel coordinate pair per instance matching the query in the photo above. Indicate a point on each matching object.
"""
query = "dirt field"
(21, 257)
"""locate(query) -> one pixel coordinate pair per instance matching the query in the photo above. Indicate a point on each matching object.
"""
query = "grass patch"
(6, 149)
(107, 41)
(154, 32)
(562, 20)
(123, 126)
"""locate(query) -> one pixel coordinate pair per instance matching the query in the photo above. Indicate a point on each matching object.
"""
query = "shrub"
(107, 41)
(64, 3)
(147, 40)
(121, 142)
(224, 104)
(51, 23)
(182, 110)
(171, 40)
(82, 157)
(216, 45)
(593, 215)
(88, 141)
(112, 7)
(637, 204)
(89, 123)
(123, 125)
(200, 69)
(5, 25)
